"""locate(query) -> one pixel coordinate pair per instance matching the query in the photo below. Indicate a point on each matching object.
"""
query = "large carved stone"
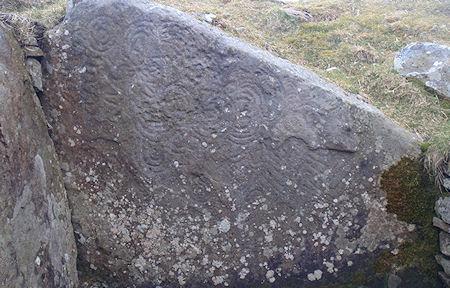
(37, 246)
(191, 157)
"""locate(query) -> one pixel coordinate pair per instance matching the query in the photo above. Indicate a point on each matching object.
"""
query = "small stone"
(30, 41)
(446, 183)
(33, 51)
(209, 18)
(442, 208)
(394, 281)
(427, 62)
(300, 15)
(444, 243)
(441, 224)
(444, 262)
(35, 70)
(445, 278)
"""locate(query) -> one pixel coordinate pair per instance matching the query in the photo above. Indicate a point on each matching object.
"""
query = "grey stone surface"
(445, 279)
(442, 209)
(437, 222)
(446, 183)
(444, 262)
(428, 62)
(33, 51)
(35, 70)
(303, 16)
(37, 246)
(394, 281)
(444, 243)
(193, 158)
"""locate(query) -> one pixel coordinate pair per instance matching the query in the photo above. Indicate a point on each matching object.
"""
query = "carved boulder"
(193, 158)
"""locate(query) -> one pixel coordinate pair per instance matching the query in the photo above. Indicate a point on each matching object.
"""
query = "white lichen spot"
(243, 273)
(288, 256)
(316, 275)
(218, 280)
(37, 261)
(181, 280)
(270, 276)
(217, 263)
(224, 226)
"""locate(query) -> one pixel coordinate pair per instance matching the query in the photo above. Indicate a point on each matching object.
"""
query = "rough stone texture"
(394, 281)
(191, 157)
(33, 51)
(446, 183)
(437, 222)
(35, 70)
(71, 4)
(428, 62)
(442, 208)
(445, 263)
(445, 279)
(37, 246)
(444, 243)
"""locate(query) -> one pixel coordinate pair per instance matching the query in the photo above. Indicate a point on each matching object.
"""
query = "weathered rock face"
(37, 246)
(428, 62)
(193, 158)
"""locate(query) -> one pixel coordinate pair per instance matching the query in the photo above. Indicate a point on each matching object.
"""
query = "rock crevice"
(37, 247)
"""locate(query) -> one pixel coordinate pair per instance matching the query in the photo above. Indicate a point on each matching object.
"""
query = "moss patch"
(411, 196)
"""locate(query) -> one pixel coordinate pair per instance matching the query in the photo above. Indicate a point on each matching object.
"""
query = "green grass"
(351, 43)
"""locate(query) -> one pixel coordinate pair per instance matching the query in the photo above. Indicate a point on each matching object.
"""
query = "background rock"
(444, 243)
(428, 62)
(442, 208)
(194, 158)
(37, 247)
